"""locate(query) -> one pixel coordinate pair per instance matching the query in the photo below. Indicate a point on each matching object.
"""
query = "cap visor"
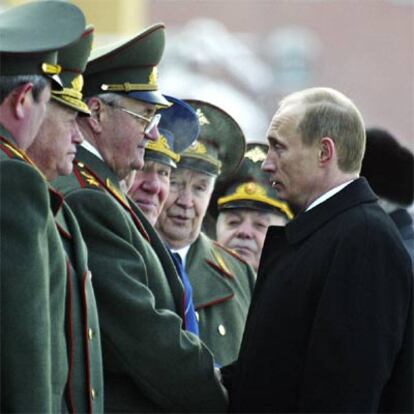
(151, 97)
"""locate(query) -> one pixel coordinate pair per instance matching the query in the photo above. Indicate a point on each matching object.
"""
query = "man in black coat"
(330, 325)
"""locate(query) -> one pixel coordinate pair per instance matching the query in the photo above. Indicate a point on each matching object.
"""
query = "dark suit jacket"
(330, 326)
(404, 223)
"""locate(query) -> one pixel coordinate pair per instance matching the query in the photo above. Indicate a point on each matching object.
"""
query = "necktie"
(190, 319)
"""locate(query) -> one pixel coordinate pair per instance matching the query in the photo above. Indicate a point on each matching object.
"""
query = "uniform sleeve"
(24, 272)
(359, 326)
(169, 366)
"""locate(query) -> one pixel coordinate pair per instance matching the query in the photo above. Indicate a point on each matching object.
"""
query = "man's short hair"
(9, 83)
(329, 113)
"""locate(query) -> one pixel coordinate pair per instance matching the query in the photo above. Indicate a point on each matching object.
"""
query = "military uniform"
(85, 379)
(34, 354)
(222, 287)
(150, 363)
(221, 282)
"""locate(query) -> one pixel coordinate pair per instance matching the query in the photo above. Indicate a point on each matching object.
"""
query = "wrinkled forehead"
(187, 175)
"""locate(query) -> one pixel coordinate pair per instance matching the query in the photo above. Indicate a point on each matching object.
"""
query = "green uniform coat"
(222, 285)
(44, 364)
(34, 365)
(150, 363)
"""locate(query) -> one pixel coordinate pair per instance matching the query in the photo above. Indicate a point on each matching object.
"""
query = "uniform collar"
(89, 147)
(4, 132)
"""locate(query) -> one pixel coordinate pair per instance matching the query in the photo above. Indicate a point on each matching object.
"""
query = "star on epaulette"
(90, 179)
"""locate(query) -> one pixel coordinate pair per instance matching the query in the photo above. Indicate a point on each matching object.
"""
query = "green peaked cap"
(31, 35)
(249, 187)
(220, 145)
(129, 67)
(73, 60)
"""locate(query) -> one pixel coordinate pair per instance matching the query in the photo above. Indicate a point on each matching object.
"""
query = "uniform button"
(197, 316)
(93, 393)
(90, 334)
(81, 164)
(222, 330)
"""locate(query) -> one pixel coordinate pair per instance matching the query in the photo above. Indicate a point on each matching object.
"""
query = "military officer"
(151, 364)
(179, 127)
(34, 356)
(53, 151)
(246, 205)
(221, 281)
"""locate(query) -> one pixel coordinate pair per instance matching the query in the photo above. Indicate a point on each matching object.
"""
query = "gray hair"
(9, 83)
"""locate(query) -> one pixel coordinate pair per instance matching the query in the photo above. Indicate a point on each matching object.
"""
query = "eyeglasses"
(151, 123)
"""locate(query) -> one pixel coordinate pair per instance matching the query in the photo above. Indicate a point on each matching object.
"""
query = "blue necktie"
(190, 319)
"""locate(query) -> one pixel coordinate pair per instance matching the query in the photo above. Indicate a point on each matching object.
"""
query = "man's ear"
(327, 150)
(21, 98)
(97, 108)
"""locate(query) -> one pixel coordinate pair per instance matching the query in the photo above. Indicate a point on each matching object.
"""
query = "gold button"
(81, 164)
(222, 330)
(197, 316)
(90, 334)
(93, 393)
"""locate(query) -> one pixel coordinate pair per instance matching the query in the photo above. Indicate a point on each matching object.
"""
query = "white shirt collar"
(89, 147)
(182, 253)
(328, 194)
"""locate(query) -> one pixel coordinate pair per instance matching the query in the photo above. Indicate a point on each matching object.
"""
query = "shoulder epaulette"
(85, 176)
(231, 252)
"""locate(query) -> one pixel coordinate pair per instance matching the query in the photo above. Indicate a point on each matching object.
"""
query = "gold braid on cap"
(161, 145)
(152, 84)
(51, 69)
(73, 95)
(199, 150)
(255, 192)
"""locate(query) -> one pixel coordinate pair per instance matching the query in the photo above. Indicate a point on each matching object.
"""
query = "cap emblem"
(153, 77)
(202, 119)
(77, 83)
(256, 154)
(161, 145)
(197, 148)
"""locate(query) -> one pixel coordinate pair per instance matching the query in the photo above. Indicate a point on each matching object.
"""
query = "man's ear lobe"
(326, 150)
(94, 121)
(21, 98)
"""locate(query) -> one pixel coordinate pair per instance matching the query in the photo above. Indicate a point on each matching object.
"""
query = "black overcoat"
(330, 326)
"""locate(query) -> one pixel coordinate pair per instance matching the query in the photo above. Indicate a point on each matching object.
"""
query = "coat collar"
(210, 280)
(304, 224)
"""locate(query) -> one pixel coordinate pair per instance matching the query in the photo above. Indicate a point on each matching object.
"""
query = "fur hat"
(388, 167)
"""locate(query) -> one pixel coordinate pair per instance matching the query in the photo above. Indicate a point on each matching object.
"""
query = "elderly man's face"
(54, 147)
(244, 231)
(180, 220)
(123, 139)
(150, 189)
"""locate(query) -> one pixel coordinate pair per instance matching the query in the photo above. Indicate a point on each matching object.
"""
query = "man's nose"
(153, 134)
(77, 136)
(152, 184)
(244, 230)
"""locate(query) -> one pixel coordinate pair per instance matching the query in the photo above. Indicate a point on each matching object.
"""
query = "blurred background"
(244, 55)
